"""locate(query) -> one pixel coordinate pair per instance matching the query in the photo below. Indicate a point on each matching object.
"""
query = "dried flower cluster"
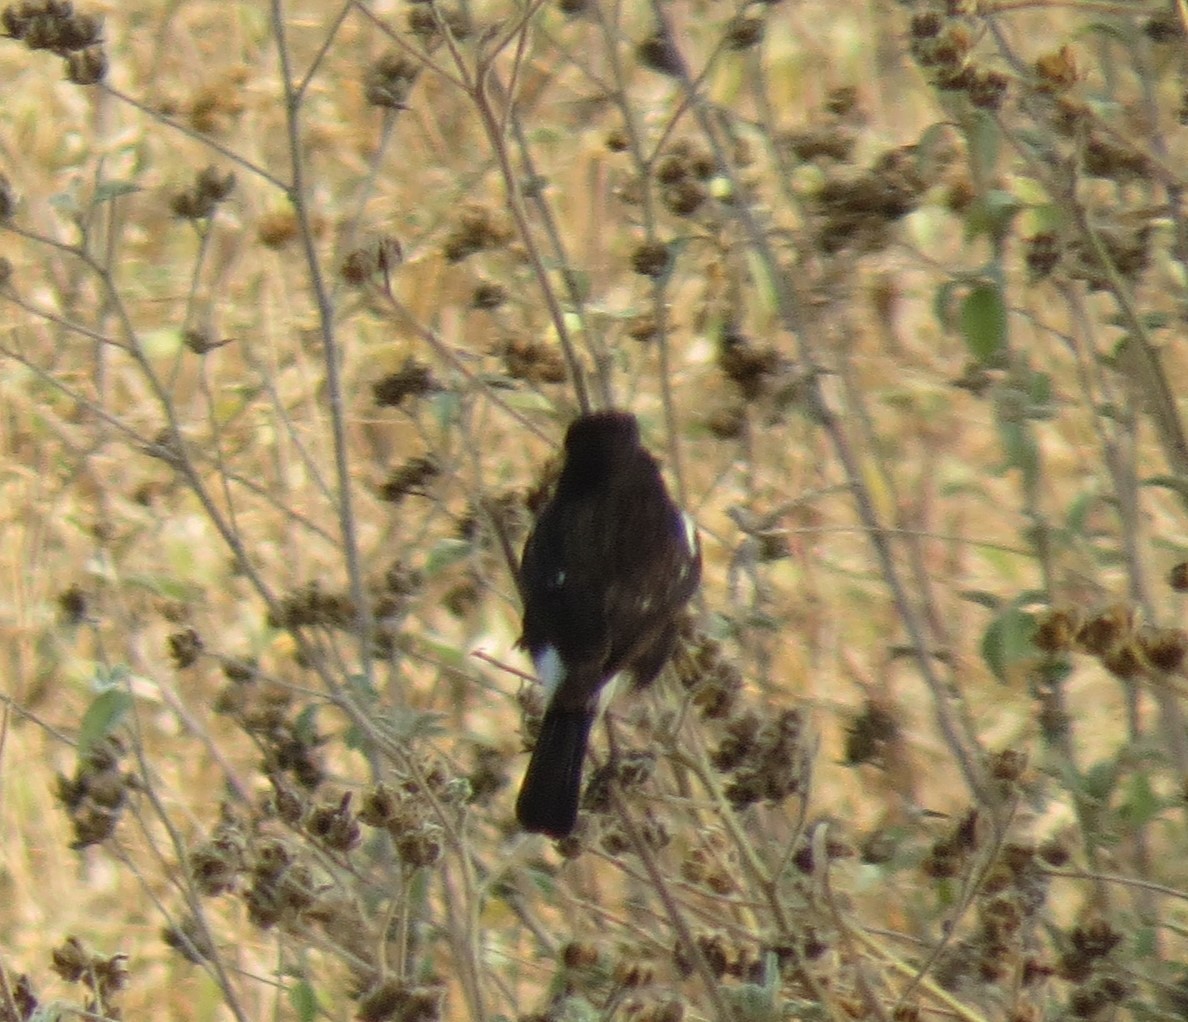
(56, 26)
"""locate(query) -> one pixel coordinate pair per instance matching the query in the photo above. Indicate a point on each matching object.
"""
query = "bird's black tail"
(548, 802)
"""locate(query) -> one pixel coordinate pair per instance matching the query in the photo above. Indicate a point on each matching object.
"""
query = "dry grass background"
(897, 292)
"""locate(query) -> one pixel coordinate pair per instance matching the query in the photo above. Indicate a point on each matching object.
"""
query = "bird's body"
(608, 566)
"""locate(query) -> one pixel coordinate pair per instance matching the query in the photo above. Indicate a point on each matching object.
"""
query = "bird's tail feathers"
(548, 800)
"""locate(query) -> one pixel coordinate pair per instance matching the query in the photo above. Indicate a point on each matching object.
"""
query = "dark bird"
(606, 569)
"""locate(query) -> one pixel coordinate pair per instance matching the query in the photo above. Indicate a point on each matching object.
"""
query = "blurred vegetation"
(298, 300)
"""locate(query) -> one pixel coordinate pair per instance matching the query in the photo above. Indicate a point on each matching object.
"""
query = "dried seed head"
(830, 142)
(750, 367)
(869, 733)
(72, 605)
(215, 867)
(277, 228)
(186, 206)
(943, 862)
(926, 25)
(532, 361)
(384, 1001)
(634, 973)
(580, 954)
(685, 197)
(488, 296)
(190, 940)
(1056, 72)
(651, 259)
(744, 32)
(410, 478)
(87, 67)
(1104, 158)
(412, 380)
(1124, 661)
(1163, 648)
(988, 89)
(659, 53)
(389, 80)
(420, 848)
(716, 951)
(240, 670)
(7, 199)
(80, 32)
(210, 184)
(184, 648)
(379, 805)
(200, 342)
(1105, 630)
(1054, 852)
(477, 229)
(1042, 255)
(335, 825)
(617, 140)
(1008, 765)
(424, 24)
(72, 960)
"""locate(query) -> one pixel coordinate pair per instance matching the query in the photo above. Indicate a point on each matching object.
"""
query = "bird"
(605, 572)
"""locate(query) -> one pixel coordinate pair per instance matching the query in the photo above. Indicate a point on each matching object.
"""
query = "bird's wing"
(604, 574)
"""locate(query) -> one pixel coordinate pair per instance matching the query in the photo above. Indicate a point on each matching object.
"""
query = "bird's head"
(595, 444)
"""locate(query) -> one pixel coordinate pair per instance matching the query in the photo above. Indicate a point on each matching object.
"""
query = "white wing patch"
(550, 671)
(690, 534)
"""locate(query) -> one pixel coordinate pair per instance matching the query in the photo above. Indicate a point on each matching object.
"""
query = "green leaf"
(984, 139)
(935, 145)
(66, 204)
(448, 654)
(1019, 444)
(1007, 642)
(446, 406)
(168, 586)
(1141, 804)
(446, 552)
(753, 1002)
(1113, 29)
(409, 725)
(765, 293)
(1052, 671)
(991, 214)
(1078, 512)
(362, 690)
(1145, 942)
(107, 678)
(304, 1000)
(105, 714)
(527, 401)
(1039, 388)
(983, 324)
(109, 190)
(305, 727)
(1177, 484)
(1099, 780)
(991, 601)
(942, 305)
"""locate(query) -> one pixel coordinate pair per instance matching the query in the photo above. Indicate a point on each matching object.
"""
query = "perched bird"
(606, 569)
